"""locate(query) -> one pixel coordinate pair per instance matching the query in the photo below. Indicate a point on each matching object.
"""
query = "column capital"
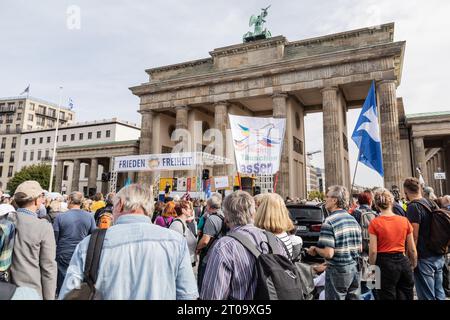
(329, 88)
(146, 111)
(221, 103)
(183, 107)
(280, 95)
(386, 81)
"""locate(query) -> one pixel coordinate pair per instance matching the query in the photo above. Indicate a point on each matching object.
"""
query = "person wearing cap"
(6, 198)
(33, 264)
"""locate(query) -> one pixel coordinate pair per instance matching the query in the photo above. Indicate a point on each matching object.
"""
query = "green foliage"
(37, 172)
(316, 194)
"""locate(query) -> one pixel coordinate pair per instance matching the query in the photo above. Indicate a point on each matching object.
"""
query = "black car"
(308, 219)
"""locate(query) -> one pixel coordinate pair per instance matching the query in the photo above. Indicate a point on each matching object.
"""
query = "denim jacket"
(139, 261)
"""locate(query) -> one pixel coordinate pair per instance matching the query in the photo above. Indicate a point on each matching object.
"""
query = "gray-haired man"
(340, 243)
(230, 272)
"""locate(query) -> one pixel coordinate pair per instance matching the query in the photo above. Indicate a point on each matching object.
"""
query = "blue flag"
(367, 134)
(70, 103)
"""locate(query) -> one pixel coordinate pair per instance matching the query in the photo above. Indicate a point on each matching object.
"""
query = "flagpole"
(54, 142)
(354, 176)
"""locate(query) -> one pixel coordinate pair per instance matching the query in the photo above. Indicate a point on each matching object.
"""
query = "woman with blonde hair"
(167, 216)
(273, 216)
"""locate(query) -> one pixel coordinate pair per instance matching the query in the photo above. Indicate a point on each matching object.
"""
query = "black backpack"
(277, 277)
(439, 239)
(87, 289)
(7, 290)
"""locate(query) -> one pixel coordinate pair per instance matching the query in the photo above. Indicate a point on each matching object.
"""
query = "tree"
(316, 194)
(37, 172)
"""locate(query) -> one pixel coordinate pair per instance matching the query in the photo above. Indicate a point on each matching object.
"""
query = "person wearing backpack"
(235, 268)
(179, 224)
(7, 233)
(392, 249)
(422, 214)
(213, 229)
(167, 216)
(70, 228)
(340, 243)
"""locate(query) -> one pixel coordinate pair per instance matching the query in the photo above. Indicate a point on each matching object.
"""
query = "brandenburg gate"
(279, 78)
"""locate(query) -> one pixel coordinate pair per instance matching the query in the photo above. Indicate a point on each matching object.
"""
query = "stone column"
(59, 175)
(419, 158)
(93, 172)
(76, 175)
(332, 138)
(181, 122)
(390, 133)
(280, 111)
(145, 143)
(221, 124)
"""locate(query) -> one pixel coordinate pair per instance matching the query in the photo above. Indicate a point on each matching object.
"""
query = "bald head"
(75, 199)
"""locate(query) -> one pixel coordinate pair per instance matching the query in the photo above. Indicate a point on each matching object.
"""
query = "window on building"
(29, 127)
(19, 116)
(62, 115)
(2, 156)
(99, 134)
(41, 109)
(10, 171)
(30, 117)
(64, 137)
(47, 154)
(31, 155)
(89, 135)
(12, 156)
(32, 106)
(1, 171)
(3, 143)
(40, 121)
(70, 117)
(24, 158)
(86, 171)
(108, 133)
(81, 136)
(1, 118)
(48, 139)
(41, 140)
(39, 155)
(33, 141)
(8, 129)
(26, 142)
(165, 149)
(51, 123)
(52, 113)
(72, 137)
(14, 142)
(9, 118)
(17, 128)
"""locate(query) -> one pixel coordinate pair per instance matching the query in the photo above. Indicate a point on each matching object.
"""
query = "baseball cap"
(30, 188)
(5, 209)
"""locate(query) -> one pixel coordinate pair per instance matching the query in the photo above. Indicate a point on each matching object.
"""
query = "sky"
(98, 57)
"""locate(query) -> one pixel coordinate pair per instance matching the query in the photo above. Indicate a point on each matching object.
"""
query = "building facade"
(37, 146)
(19, 115)
(275, 77)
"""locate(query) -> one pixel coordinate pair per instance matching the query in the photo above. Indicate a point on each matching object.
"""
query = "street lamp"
(55, 140)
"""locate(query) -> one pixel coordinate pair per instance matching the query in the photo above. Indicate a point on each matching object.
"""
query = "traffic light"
(205, 174)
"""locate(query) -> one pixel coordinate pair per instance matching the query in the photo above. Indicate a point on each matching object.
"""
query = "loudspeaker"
(257, 190)
(205, 174)
(92, 192)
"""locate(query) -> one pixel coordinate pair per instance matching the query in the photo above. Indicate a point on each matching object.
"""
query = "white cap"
(5, 209)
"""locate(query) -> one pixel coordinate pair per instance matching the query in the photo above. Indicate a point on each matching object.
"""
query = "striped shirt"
(286, 240)
(341, 232)
(7, 232)
(231, 269)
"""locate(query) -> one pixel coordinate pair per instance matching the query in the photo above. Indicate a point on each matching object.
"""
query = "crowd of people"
(215, 249)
